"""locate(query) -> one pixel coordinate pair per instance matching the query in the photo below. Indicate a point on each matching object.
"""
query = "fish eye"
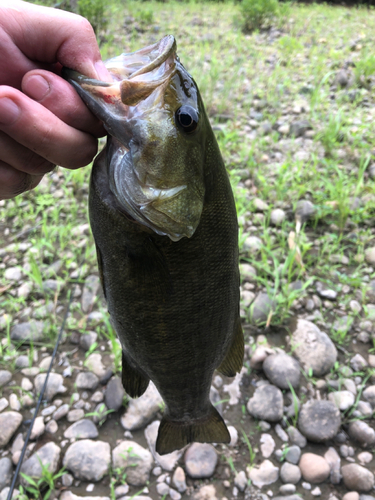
(187, 118)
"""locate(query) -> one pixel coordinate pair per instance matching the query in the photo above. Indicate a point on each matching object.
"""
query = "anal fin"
(133, 382)
(233, 361)
(174, 435)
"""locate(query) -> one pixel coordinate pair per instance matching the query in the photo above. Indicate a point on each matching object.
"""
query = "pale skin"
(43, 122)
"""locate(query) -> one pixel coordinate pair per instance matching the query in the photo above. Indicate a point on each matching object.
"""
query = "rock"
(9, 423)
(141, 411)
(296, 437)
(87, 380)
(369, 395)
(48, 456)
(266, 403)
(370, 255)
(22, 361)
(261, 308)
(299, 127)
(114, 394)
(95, 365)
(61, 412)
(281, 433)
(305, 210)
(38, 428)
(365, 409)
(100, 414)
(265, 474)
(365, 457)
(207, 492)
(282, 370)
(52, 427)
(5, 377)
(52, 286)
(88, 460)
(4, 494)
(358, 362)
(13, 273)
(267, 445)
(351, 495)
(252, 245)
(26, 384)
(83, 429)
(314, 468)
(258, 357)
(3, 404)
(233, 389)
(248, 272)
(342, 399)
(75, 415)
(136, 461)
(24, 332)
(200, 460)
(90, 289)
(333, 459)
(6, 472)
(68, 495)
(87, 340)
(313, 348)
(357, 478)
(277, 216)
(14, 402)
(233, 435)
(293, 454)
(362, 432)
(319, 421)
(168, 461)
(240, 480)
(179, 479)
(290, 473)
(54, 385)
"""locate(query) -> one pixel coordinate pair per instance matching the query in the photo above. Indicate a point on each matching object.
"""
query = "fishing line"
(16, 474)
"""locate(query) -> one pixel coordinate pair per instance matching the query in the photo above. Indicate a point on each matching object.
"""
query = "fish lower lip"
(161, 194)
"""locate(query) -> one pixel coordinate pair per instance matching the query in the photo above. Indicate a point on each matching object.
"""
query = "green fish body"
(164, 222)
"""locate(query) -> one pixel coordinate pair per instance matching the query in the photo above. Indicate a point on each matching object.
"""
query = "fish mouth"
(140, 80)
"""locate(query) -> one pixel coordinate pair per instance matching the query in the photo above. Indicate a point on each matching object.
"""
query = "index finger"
(47, 35)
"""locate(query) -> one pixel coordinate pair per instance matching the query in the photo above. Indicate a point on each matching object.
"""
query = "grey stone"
(293, 454)
(100, 414)
(9, 423)
(240, 480)
(261, 308)
(5, 492)
(305, 210)
(313, 348)
(357, 478)
(5, 377)
(167, 461)
(114, 394)
(75, 415)
(38, 428)
(48, 456)
(52, 427)
(90, 289)
(200, 460)
(287, 489)
(87, 339)
(342, 399)
(282, 370)
(334, 461)
(281, 434)
(369, 395)
(319, 421)
(370, 255)
(134, 460)
(3, 404)
(61, 412)
(365, 409)
(290, 473)
(299, 127)
(266, 473)
(362, 432)
(277, 216)
(141, 411)
(83, 429)
(6, 472)
(248, 272)
(22, 361)
(52, 286)
(252, 245)
(266, 403)
(296, 437)
(267, 445)
(24, 332)
(54, 385)
(87, 380)
(88, 460)
(179, 479)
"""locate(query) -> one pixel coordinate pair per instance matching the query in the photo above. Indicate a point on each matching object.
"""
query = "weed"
(95, 12)
(43, 487)
(256, 13)
(252, 453)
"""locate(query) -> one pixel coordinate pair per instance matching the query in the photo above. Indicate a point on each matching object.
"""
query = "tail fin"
(174, 435)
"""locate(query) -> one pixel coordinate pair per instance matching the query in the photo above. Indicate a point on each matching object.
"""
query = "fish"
(164, 221)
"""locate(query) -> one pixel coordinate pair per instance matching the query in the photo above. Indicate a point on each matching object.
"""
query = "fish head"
(157, 125)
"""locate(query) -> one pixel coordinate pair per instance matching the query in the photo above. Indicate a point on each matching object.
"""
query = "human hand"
(43, 122)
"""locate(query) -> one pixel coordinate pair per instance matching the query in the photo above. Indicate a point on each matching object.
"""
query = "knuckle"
(13, 182)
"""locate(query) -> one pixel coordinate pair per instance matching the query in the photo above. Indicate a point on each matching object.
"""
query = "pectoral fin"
(233, 361)
(134, 382)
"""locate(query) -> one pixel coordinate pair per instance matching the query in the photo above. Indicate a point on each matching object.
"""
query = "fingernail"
(9, 111)
(102, 71)
(37, 87)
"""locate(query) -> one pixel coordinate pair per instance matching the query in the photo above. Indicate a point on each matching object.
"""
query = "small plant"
(295, 405)
(231, 464)
(364, 69)
(252, 453)
(256, 13)
(94, 12)
(43, 487)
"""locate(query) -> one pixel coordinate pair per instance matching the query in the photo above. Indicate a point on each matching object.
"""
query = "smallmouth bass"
(165, 226)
